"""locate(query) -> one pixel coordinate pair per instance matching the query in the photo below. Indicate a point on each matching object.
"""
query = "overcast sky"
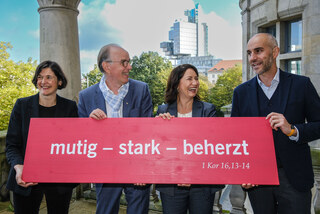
(137, 25)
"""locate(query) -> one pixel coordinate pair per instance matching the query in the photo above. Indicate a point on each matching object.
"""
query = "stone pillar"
(310, 52)
(59, 40)
(246, 26)
(237, 198)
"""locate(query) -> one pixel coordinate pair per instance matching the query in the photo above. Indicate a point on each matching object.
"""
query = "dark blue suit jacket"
(16, 140)
(199, 109)
(299, 103)
(137, 102)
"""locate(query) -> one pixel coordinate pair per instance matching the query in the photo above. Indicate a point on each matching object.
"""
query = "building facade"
(202, 63)
(203, 40)
(184, 39)
(218, 69)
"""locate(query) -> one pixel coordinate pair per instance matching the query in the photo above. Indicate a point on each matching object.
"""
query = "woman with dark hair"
(183, 101)
(27, 197)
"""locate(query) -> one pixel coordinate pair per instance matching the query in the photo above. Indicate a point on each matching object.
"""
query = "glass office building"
(188, 43)
(187, 37)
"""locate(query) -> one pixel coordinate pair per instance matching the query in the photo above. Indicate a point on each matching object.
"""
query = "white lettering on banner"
(77, 149)
(220, 149)
(152, 148)
(137, 148)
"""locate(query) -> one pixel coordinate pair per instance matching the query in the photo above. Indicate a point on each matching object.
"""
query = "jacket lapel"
(127, 101)
(196, 109)
(172, 109)
(252, 96)
(33, 106)
(99, 100)
(59, 107)
(284, 86)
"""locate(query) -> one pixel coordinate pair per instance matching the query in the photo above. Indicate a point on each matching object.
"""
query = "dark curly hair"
(174, 80)
(55, 68)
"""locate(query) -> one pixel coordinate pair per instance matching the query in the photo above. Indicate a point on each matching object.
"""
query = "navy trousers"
(193, 199)
(282, 199)
(108, 198)
(58, 200)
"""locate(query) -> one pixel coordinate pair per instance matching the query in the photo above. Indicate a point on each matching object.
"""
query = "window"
(271, 30)
(294, 66)
(294, 36)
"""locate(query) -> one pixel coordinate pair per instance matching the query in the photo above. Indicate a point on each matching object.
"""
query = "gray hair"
(104, 54)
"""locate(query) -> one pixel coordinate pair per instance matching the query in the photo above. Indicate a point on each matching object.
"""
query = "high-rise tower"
(185, 38)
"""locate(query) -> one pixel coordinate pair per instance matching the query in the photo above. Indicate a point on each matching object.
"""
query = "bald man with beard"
(291, 104)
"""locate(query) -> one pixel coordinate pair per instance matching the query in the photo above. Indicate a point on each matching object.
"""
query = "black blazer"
(300, 102)
(199, 109)
(16, 140)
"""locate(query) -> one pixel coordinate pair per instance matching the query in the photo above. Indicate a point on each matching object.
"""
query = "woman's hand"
(98, 114)
(20, 182)
(184, 185)
(165, 116)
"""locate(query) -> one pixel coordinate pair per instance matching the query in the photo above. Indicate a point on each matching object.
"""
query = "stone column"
(237, 198)
(59, 40)
(246, 33)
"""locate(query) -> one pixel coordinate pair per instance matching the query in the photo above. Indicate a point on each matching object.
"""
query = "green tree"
(153, 69)
(15, 82)
(221, 94)
(203, 91)
(204, 87)
(91, 78)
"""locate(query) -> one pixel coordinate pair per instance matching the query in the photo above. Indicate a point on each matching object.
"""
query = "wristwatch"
(293, 128)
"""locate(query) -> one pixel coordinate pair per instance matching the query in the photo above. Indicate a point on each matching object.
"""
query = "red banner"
(151, 150)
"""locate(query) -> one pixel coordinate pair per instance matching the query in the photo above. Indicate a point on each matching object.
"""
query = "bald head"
(264, 38)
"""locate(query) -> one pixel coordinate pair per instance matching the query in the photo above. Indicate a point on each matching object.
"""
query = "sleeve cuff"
(295, 138)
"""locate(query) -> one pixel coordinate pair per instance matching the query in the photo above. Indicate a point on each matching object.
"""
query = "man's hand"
(20, 182)
(98, 114)
(279, 121)
(184, 185)
(248, 186)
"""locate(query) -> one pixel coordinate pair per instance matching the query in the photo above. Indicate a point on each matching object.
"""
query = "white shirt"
(185, 115)
(269, 91)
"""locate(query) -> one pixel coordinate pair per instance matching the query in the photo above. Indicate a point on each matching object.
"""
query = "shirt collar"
(109, 91)
(275, 80)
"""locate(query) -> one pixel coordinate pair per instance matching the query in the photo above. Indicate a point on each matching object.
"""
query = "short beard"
(267, 66)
